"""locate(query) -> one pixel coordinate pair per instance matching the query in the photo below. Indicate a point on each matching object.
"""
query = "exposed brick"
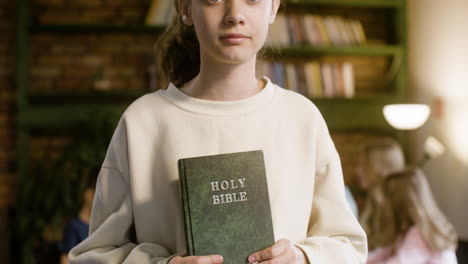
(136, 84)
(86, 3)
(98, 15)
(73, 85)
(78, 72)
(128, 60)
(68, 49)
(95, 60)
(42, 85)
(122, 71)
(65, 16)
(117, 38)
(6, 48)
(142, 48)
(45, 72)
(107, 48)
(118, 84)
(50, 3)
(131, 15)
(7, 179)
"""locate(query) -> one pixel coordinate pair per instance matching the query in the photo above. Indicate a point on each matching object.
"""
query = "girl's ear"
(274, 10)
(184, 10)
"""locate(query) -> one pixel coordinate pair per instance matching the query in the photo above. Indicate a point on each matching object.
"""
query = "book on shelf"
(312, 78)
(316, 30)
(348, 79)
(225, 200)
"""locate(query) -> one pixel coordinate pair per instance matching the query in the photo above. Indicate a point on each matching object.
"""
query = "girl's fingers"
(210, 259)
(270, 252)
(280, 259)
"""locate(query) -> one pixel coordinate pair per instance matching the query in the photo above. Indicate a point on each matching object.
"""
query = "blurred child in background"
(404, 224)
(77, 228)
(378, 158)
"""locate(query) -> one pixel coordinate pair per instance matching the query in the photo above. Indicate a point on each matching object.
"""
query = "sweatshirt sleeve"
(334, 234)
(111, 229)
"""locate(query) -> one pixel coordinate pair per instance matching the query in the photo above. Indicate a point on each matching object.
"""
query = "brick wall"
(91, 61)
(7, 121)
(123, 12)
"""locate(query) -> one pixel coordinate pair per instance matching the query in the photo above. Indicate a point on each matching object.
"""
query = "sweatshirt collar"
(208, 107)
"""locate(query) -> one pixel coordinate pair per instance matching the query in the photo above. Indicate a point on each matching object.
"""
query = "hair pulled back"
(177, 53)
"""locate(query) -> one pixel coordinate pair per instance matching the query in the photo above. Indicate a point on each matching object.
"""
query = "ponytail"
(177, 53)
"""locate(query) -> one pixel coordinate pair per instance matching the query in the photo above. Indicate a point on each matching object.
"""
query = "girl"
(379, 157)
(406, 226)
(214, 104)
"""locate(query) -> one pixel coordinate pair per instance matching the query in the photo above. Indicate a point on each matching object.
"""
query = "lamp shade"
(433, 148)
(406, 116)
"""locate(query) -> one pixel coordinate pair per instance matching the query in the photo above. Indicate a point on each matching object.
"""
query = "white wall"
(438, 68)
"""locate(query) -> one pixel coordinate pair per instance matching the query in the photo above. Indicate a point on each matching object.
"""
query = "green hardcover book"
(226, 205)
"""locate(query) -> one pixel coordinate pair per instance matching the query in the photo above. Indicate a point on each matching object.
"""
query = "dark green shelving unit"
(352, 3)
(364, 50)
(84, 28)
(66, 110)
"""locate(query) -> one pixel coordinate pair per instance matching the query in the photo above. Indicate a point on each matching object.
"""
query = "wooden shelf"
(77, 28)
(350, 115)
(369, 50)
(85, 96)
(63, 116)
(350, 3)
(340, 114)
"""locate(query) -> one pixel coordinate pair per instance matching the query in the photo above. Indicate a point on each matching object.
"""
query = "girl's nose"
(234, 14)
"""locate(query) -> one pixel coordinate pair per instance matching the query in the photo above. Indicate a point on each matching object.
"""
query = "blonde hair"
(382, 156)
(402, 200)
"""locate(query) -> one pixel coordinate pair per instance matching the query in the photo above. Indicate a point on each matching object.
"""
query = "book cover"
(348, 79)
(226, 205)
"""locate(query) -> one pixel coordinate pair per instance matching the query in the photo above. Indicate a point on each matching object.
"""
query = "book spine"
(186, 207)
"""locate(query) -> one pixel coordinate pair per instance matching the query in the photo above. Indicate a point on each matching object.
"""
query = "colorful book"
(348, 79)
(226, 205)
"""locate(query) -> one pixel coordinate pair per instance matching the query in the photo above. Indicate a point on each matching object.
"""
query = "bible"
(226, 205)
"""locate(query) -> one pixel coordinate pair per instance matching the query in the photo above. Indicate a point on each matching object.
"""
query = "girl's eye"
(214, 1)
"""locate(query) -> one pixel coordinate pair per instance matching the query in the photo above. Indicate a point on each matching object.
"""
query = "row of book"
(312, 79)
(315, 30)
(159, 12)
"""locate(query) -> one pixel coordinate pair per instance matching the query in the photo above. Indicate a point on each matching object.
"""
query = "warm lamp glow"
(406, 116)
(433, 148)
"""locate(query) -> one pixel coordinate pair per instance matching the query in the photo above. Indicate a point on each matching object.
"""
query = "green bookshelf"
(63, 116)
(72, 29)
(362, 50)
(101, 96)
(351, 3)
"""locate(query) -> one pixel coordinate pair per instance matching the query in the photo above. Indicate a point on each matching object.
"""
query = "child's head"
(200, 32)
(378, 158)
(89, 188)
(402, 200)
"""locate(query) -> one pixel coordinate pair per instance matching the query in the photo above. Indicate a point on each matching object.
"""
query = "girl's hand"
(282, 252)
(210, 259)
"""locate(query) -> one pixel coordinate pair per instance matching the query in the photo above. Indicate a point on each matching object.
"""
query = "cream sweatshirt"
(137, 214)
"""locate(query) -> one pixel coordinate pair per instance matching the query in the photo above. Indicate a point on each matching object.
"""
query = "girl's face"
(231, 31)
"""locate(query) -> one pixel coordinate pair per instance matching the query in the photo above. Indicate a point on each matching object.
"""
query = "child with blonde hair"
(215, 104)
(379, 157)
(405, 225)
